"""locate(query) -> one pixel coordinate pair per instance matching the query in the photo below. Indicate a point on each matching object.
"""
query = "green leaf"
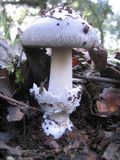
(13, 44)
(8, 31)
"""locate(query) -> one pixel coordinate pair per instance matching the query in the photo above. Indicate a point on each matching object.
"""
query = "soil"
(95, 136)
(87, 141)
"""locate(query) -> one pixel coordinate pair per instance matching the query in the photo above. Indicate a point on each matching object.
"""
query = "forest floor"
(96, 132)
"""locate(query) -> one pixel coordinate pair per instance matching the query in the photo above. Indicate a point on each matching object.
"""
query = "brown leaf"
(6, 53)
(81, 53)
(75, 61)
(94, 90)
(6, 137)
(109, 100)
(112, 152)
(117, 56)
(11, 151)
(4, 83)
(112, 72)
(99, 57)
(14, 114)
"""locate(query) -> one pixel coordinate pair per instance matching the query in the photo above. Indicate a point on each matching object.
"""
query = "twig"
(15, 102)
(20, 58)
(93, 78)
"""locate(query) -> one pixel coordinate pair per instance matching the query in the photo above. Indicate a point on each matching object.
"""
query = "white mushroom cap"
(60, 27)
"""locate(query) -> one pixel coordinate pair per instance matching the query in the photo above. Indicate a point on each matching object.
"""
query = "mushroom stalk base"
(60, 71)
(56, 124)
(57, 109)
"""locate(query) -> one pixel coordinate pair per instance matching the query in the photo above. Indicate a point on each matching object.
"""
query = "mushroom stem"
(60, 71)
(57, 124)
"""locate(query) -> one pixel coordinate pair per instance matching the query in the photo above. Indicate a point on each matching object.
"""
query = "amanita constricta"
(60, 29)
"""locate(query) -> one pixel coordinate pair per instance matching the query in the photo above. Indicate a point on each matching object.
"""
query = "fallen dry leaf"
(4, 83)
(117, 56)
(99, 57)
(6, 53)
(75, 61)
(14, 114)
(109, 100)
(112, 152)
(11, 151)
(6, 137)
(80, 56)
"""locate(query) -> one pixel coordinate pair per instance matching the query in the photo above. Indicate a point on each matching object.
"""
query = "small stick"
(15, 102)
(93, 78)
(20, 59)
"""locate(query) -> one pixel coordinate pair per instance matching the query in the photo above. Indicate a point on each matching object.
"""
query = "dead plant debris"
(96, 135)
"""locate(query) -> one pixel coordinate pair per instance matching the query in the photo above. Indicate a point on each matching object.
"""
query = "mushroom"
(60, 29)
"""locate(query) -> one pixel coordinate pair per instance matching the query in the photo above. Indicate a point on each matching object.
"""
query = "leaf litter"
(96, 120)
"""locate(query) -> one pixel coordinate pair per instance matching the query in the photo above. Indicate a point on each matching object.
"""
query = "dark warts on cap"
(43, 12)
(86, 29)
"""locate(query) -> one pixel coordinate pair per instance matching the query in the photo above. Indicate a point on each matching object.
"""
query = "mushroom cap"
(60, 27)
